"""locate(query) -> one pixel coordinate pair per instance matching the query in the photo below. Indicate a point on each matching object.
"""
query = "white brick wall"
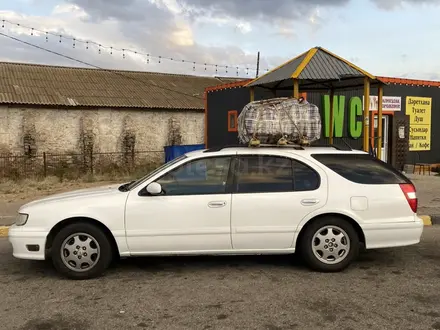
(59, 130)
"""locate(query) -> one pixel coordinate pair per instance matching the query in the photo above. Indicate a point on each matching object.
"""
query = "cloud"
(284, 17)
(256, 9)
(394, 4)
(154, 27)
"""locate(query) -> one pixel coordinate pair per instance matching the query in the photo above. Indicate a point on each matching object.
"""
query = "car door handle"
(217, 204)
(309, 202)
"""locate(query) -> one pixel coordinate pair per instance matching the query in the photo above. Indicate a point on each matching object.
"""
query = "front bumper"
(27, 244)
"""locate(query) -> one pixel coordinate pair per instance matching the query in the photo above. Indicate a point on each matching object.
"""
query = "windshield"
(154, 172)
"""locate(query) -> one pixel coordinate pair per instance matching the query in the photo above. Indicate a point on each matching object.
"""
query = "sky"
(393, 38)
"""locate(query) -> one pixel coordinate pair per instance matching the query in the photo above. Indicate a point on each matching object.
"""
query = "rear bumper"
(24, 243)
(387, 235)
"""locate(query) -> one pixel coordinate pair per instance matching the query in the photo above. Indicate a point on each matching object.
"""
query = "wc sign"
(389, 103)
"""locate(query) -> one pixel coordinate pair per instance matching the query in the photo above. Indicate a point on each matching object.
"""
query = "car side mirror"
(154, 188)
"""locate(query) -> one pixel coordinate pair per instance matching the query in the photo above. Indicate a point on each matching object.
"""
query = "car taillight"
(409, 191)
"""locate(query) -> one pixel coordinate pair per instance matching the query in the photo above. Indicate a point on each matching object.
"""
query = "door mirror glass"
(154, 188)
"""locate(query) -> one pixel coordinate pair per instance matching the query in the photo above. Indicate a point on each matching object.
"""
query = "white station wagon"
(323, 202)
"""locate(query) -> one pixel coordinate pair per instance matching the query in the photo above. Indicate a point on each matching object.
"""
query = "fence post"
(44, 165)
(91, 161)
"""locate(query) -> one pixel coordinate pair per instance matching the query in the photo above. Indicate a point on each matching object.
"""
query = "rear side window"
(305, 178)
(361, 168)
(264, 174)
(269, 174)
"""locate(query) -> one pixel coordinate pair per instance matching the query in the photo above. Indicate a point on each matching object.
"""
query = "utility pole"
(258, 64)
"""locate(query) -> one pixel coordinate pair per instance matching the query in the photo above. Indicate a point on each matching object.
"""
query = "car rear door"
(271, 195)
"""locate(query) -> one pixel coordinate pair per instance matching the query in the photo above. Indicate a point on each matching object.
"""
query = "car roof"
(282, 150)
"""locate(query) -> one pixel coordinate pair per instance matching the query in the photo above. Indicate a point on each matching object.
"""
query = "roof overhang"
(311, 71)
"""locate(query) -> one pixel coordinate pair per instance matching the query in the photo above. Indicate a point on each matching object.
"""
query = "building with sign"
(408, 109)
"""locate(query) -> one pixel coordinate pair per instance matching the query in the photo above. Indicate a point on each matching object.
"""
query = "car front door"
(191, 214)
(272, 194)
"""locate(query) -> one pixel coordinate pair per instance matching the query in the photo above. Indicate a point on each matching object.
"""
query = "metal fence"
(72, 166)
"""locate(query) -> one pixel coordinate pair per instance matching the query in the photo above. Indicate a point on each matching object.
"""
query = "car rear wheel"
(329, 244)
(81, 251)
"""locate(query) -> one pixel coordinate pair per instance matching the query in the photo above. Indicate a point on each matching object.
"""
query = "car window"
(201, 176)
(361, 168)
(263, 174)
(305, 178)
(154, 172)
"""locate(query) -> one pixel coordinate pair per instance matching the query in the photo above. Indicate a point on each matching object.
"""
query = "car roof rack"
(294, 146)
(215, 149)
(332, 145)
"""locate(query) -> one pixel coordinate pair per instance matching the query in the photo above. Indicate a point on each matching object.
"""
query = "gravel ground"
(385, 289)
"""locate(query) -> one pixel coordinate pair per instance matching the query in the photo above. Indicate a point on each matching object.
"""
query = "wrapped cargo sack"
(291, 120)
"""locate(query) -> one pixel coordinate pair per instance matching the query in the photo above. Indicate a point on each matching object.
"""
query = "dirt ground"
(390, 289)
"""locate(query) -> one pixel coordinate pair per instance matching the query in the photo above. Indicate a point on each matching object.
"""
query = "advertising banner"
(419, 111)
(389, 103)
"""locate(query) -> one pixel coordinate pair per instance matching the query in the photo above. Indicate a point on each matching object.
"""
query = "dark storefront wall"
(219, 102)
(431, 156)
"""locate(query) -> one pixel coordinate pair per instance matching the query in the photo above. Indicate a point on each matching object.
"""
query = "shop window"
(232, 121)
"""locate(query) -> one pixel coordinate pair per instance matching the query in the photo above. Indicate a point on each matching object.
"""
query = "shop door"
(385, 128)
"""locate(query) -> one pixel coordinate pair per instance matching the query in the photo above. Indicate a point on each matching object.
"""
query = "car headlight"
(21, 219)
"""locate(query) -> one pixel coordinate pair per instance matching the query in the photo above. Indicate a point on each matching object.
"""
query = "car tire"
(81, 251)
(329, 244)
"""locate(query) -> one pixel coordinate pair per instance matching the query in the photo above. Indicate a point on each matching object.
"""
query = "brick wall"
(40, 130)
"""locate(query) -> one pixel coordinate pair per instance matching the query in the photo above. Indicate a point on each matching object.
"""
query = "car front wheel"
(329, 244)
(81, 251)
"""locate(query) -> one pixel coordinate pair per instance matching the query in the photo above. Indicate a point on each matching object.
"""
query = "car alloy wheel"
(331, 244)
(80, 252)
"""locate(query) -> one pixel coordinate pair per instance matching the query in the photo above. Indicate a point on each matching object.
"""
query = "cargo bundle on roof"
(279, 121)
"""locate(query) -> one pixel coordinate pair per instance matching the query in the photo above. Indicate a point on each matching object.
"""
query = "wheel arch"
(347, 218)
(62, 224)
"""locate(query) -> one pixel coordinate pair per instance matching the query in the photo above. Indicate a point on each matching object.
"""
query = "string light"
(245, 68)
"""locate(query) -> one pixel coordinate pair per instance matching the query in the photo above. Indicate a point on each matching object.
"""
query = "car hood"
(75, 194)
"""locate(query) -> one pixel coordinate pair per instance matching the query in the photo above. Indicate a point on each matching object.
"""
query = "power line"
(125, 51)
(94, 66)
